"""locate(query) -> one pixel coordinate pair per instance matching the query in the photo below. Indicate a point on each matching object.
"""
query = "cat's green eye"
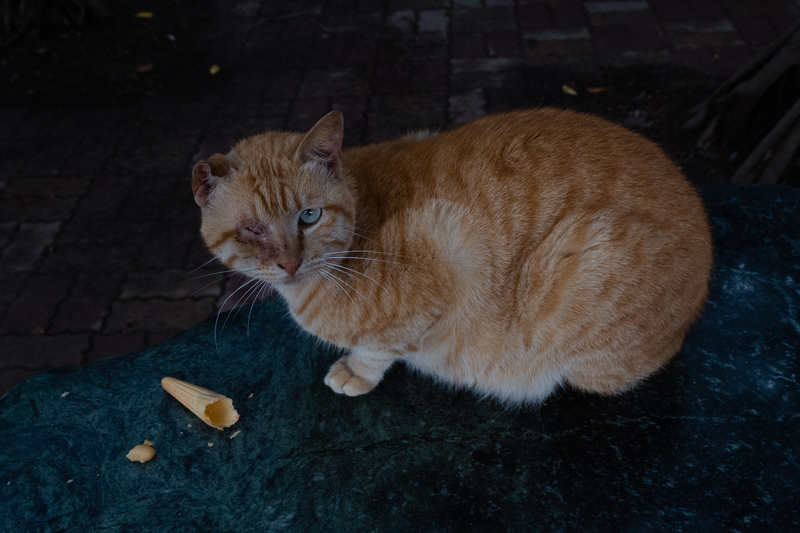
(309, 216)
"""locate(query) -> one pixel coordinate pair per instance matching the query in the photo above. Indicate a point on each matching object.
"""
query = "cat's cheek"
(227, 252)
(233, 257)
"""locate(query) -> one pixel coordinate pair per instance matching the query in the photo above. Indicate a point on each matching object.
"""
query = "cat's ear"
(323, 144)
(205, 176)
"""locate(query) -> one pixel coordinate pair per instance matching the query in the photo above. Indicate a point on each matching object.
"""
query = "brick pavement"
(99, 251)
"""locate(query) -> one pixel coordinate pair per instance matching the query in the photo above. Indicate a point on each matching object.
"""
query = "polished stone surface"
(710, 444)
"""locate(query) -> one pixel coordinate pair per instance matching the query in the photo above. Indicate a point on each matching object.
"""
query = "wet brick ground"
(99, 249)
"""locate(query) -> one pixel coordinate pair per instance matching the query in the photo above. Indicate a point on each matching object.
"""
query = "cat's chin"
(291, 281)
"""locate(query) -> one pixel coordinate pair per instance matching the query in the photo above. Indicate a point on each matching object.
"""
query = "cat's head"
(277, 203)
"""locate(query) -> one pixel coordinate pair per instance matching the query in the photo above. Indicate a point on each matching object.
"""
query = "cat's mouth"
(291, 280)
(279, 278)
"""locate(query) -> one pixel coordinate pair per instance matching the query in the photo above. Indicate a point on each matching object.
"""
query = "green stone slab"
(709, 444)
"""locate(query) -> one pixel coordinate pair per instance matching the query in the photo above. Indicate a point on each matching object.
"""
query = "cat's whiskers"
(340, 267)
(369, 259)
(265, 286)
(238, 307)
(235, 271)
(222, 305)
(364, 229)
(367, 252)
(251, 291)
(365, 237)
(204, 264)
(337, 279)
(209, 284)
(246, 295)
(332, 278)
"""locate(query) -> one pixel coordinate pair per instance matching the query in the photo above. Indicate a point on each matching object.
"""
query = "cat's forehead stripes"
(268, 165)
(275, 197)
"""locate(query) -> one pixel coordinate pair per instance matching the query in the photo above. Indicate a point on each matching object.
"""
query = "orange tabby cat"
(511, 255)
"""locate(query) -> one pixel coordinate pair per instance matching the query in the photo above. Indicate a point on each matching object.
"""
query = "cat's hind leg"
(359, 372)
(601, 381)
(618, 373)
(619, 370)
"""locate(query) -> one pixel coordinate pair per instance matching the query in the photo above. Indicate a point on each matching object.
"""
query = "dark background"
(101, 120)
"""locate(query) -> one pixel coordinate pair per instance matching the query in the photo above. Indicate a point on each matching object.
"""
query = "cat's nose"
(290, 264)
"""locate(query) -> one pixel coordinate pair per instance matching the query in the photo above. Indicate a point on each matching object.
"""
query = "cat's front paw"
(343, 380)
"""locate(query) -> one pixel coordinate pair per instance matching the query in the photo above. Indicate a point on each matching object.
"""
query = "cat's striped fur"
(511, 255)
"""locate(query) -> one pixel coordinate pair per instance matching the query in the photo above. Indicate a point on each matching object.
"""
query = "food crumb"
(210, 444)
(142, 453)
(65, 394)
(251, 395)
(70, 481)
(189, 425)
(237, 432)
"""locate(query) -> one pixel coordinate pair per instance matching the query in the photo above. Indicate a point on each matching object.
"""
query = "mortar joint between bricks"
(250, 27)
(449, 39)
(93, 179)
(57, 309)
(315, 36)
(117, 298)
(520, 38)
(73, 211)
(373, 71)
(11, 236)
